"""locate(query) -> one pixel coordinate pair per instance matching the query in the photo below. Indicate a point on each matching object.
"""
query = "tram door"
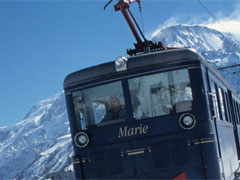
(234, 120)
(214, 116)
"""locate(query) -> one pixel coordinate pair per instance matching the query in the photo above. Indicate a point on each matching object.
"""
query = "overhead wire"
(211, 14)
(154, 14)
(142, 21)
(226, 67)
(141, 16)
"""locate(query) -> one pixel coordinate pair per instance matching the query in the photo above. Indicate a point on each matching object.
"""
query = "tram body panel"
(149, 141)
(235, 107)
(228, 149)
(237, 135)
(152, 156)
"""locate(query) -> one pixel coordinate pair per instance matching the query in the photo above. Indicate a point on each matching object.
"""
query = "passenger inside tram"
(117, 111)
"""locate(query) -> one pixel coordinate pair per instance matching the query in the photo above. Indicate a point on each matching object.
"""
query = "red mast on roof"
(144, 46)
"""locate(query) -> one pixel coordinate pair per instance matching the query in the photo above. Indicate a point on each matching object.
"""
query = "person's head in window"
(114, 103)
(116, 111)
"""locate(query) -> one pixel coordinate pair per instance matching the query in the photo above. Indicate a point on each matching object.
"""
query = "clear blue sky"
(43, 41)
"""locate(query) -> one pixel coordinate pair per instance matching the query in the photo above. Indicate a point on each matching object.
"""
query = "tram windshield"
(99, 106)
(151, 95)
(161, 94)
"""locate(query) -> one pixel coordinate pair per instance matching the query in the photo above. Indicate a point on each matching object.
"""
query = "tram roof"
(134, 62)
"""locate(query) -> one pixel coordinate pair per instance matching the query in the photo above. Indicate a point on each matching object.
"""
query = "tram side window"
(226, 105)
(237, 115)
(229, 108)
(236, 110)
(222, 104)
(99, 106)
(214, 99)
(161, 94)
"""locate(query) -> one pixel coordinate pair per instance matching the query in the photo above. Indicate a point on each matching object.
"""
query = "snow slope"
(38, 145)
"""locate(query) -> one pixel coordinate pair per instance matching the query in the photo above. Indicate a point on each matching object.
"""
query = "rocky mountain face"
(40, 147)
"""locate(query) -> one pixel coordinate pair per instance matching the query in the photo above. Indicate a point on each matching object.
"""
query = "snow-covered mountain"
(39, 146)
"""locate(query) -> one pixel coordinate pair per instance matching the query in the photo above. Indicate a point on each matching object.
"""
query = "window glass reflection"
(99, 106)
(161, 94)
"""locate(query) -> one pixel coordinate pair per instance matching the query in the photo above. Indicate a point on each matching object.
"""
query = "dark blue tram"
(160, 115)
(179, 119)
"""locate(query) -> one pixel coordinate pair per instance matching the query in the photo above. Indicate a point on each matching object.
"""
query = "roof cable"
(211, 14)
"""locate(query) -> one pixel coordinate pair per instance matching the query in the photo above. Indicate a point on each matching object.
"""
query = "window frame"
(158, 73)
(125, 87)
(214, 95)
(121, 81)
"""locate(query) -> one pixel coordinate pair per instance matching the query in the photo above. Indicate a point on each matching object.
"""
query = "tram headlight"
(81, 139)
(187, 121)
(121, 63)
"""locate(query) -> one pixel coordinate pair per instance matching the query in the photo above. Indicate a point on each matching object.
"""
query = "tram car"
(167, 114)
